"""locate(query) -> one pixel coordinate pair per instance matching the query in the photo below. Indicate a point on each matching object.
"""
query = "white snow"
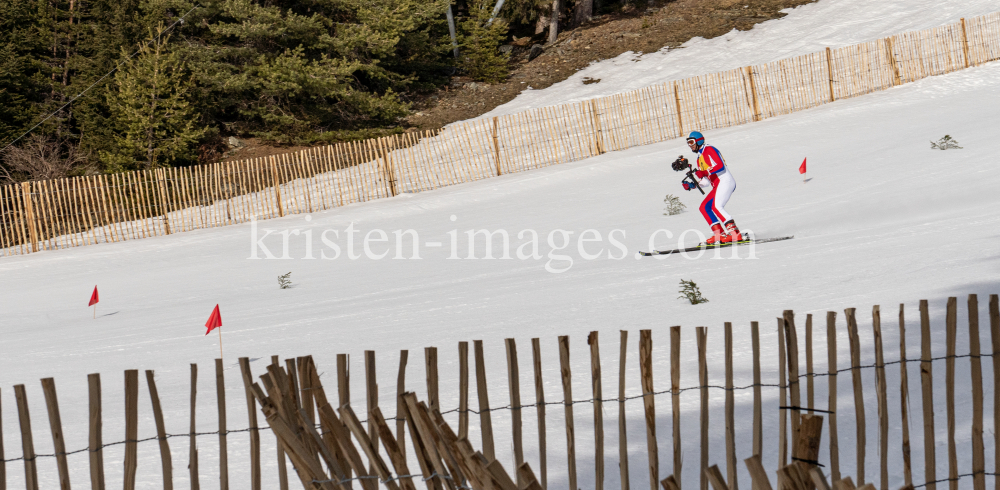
(884, 220)
(806, 29)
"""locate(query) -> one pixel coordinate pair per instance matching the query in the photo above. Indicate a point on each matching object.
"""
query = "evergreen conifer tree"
(150, 109)
(480, 40)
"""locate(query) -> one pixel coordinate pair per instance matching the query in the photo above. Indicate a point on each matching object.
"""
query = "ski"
(703, 246)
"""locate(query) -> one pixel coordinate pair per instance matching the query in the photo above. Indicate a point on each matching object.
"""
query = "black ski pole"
(690, 173)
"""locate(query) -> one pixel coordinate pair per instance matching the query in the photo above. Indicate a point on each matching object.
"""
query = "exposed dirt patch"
(253, 148)
(661, 25)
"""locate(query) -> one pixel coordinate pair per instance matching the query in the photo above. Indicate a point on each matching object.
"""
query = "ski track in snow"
(884, 220)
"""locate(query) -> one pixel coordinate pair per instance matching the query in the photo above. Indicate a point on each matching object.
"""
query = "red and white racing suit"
(711, 170)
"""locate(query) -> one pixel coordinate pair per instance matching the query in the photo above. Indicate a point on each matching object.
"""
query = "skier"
(711, 170)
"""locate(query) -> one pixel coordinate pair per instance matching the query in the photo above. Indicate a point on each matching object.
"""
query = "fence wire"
(564, 403)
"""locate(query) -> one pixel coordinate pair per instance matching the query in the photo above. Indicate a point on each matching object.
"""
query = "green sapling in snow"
(689, 291)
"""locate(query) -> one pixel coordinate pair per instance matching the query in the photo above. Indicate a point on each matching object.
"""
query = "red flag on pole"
(93, 298)
(214, 321)
(802, 168)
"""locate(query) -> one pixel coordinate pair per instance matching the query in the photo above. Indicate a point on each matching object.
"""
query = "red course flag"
(214, 321)
(802, 168)
(93, 298)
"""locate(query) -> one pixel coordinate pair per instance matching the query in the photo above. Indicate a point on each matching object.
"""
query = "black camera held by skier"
(682, 164)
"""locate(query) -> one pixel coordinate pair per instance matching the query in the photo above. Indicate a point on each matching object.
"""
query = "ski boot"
(717, 236)
(732, 234)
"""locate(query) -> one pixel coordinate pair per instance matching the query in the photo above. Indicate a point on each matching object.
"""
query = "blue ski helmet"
(699, 139)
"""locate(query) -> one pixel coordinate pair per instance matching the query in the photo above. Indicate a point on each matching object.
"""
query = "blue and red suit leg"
(708, 210)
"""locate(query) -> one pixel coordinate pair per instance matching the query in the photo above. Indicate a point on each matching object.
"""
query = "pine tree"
(25, 74)
(306, 72)
(480, 40)
(150, 108)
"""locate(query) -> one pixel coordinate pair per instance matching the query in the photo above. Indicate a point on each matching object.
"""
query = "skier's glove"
(680, 164)
(701, 174)
(689, 186)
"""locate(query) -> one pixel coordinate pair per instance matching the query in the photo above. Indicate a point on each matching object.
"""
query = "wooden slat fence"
(317, 439)
(71, 212)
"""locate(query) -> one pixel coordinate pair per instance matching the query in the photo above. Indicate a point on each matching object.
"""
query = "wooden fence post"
(220, 396)
(162, 187)
(859, 400)
(252, 416)
(371, 398)
(819, 479)
(951, 327)
(622, 430)
(55, 424)
(675, 397)
(131, 426)
(392, 448)
(390, 176)
(29, 215)
(880, 391)
(976, 368)
(646, 375)
(485, 418)
(514, 388)
(758, 420)
(965, 44)
(753, 94)
(757, 473)
(890, 53)
(306, 389)
(400, 389)
(714, 476)
(568, 407)
(277, 186)
(536, 353)
(680, 118)
(730, 412)
(810, 374)
(831, 352)
(782, 399)
(927, 386)
(598, 135)
(496, 144)
(595, 380)
(701, 334)
(995, 338)
(431, 372)
(27, 442)
(192, 442)
(829, 72)
(807, 449)
(794, 388)
(161, 433)
(423, 445)
(3, 463)
(280, 453)
(904, 399)
(96, 440)
(463, 390)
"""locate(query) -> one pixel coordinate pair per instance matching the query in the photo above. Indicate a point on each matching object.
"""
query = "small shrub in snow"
(945, 143)
(674, 205)
(285, 281)
(689, 290)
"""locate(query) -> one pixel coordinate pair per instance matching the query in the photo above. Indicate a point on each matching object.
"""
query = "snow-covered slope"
(806, 29)
(883, 220)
